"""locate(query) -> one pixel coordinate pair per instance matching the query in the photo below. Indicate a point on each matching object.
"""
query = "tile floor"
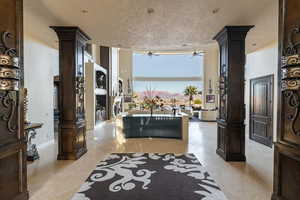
(49, 179)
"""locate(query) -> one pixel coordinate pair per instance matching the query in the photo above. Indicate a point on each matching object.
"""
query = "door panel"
(286, 184)
(261, 110)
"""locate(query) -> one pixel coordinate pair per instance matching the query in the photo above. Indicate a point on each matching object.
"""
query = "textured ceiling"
(168, 25)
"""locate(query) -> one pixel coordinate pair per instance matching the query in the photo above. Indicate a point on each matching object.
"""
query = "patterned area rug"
(141, 176)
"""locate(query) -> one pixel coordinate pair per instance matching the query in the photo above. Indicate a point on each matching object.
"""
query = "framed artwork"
(210, 98)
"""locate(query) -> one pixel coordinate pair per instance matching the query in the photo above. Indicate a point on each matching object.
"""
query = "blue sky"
(167, 66)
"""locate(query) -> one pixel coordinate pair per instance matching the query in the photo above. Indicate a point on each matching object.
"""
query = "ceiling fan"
(150, 54)
(195, 53)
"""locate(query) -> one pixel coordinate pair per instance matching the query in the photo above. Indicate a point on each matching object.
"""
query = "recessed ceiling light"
(184, 45)
(84, 11)
(150, 10)
(254, 44)
(216, 10)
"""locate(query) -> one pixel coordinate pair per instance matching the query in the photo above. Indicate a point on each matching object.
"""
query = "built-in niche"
(55, 105)
(100, 80)
(120, 87)
(100, 108)
(96, 94)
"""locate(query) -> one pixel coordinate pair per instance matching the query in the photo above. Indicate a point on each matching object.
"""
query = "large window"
(171, 72)
(173, 65)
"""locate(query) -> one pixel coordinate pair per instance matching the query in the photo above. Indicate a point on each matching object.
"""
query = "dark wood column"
(13, 167)
(105, 61)
(231, 128)
(72, 126)
(287, 147)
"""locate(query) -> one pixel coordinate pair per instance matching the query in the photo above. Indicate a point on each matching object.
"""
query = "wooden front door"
(13, 171)
(261, 110)
(287, 146)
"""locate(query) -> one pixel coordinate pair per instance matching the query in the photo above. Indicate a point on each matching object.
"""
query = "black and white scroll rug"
(141, 176)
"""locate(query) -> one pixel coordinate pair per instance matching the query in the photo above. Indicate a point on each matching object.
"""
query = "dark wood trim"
(202, 120)
(271, 107)
(105, 59)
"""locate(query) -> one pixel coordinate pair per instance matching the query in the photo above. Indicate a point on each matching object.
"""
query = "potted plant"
(197, 103)
(150, 100)
(151, 103)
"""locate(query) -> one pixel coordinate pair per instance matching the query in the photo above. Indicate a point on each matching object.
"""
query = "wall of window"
(156, 71)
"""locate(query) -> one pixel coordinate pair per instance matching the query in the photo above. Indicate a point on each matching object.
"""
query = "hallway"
(49, 179)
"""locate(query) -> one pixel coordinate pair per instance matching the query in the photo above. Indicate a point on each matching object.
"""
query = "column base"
(231, 157)
(72, 141)
(22, 196)
(231, 141)
(275, 197)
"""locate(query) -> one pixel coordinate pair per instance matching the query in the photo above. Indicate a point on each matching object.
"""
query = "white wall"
(90, 95)
(210, 72)
(40, 65)
(125, 69)
(261, 63)
(96, 53)
(114, 75)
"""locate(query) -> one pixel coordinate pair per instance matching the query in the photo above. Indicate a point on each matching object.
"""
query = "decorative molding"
(293, 46)
(8, 85)
(9, 61)
(293, 102)
(9, 73)
(290, 60)
(5, 49)
(9, 65)
(290, 75)
(290, 85)
(80, 93)
(223, 83)
(8, 101)
(291, 72)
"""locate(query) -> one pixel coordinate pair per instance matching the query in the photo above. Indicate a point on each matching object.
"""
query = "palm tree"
(191, 91)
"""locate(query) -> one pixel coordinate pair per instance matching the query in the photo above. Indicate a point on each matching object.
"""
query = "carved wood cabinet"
(231, 128)
(287, 146)
(72, 126)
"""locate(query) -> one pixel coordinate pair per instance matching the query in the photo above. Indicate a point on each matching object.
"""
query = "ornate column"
(287, 147)
(231, 128)
(72, 126)
(13, 167)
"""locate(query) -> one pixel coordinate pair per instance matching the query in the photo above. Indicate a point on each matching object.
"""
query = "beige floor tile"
(49, 179)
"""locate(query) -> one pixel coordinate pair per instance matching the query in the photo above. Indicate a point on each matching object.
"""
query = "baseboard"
(45, 144)
(231, 157)
(203, 120)
(276, 197)
(22, 196)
